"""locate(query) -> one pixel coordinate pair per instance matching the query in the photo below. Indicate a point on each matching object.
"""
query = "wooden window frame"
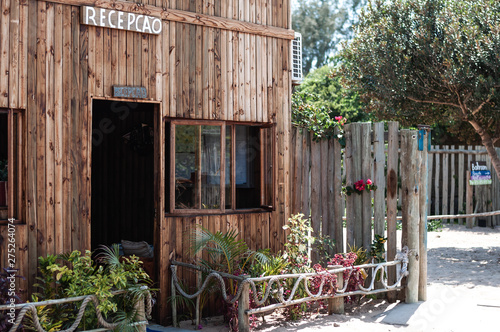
(15, 156)
(172, 211)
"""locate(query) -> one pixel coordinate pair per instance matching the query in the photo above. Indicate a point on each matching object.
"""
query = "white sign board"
(116, 19)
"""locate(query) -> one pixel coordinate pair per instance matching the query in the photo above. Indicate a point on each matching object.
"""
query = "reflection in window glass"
(186, 141)
(247, 167)
(228, 168)
(210, 167)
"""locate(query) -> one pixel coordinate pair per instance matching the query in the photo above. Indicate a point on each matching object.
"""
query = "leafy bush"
(74, 274)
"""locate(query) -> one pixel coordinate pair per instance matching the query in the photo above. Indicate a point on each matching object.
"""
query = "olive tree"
(430, 61)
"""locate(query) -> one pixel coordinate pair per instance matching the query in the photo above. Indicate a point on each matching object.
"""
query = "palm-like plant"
(225, 253)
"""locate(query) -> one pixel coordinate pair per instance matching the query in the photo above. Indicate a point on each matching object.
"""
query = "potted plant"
(3, 182)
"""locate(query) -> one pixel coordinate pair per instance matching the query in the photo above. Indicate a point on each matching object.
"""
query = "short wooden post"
(175, 323)
(243, 306)
(468, 202)
(197, 309)
(336, 304)
(140, 315)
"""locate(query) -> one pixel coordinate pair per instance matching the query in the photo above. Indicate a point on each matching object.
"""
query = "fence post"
(336, 305)
(243, 306)
(392, 208)
(411, 195)
(468, 202)
(424, 138)
(175, 323)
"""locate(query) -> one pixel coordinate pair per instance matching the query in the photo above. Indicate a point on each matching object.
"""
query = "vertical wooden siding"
(52, 67)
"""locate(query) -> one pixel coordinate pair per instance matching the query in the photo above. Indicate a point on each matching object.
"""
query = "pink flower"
(369, 182)
(338, 118)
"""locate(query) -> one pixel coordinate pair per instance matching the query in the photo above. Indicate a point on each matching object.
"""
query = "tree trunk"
(488, 144)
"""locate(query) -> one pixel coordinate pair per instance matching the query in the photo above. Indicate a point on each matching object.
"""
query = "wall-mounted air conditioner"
(297, 59)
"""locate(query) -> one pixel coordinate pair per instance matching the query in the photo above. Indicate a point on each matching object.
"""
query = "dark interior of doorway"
(122, 172)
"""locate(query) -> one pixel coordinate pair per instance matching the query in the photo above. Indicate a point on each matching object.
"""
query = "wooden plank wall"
(52, 67)
(448, 183)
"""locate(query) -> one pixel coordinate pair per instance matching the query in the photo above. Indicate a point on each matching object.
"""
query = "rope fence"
(31, 307)
(274, 287)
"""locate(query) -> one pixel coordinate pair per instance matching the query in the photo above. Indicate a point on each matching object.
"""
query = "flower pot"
(3, 193)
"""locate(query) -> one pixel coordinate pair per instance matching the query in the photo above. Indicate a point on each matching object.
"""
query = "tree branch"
(432, 102)
(481, 106)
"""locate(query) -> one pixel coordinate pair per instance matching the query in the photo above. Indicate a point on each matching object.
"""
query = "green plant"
(4, 172)
(434, 225)
(225, 253)
(377, 249)
(74, 274)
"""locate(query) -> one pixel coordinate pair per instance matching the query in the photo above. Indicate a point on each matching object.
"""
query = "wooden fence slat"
(453, 184)
(392, 209)
(356, 170)
(445, 178)
(324, 188)
(366, 173)
(461, 179)
(437, 177)
(316, 191)
(330, 160)
(338, 197)
(379, 179)
(306, 173)
(348, 166)
(430, 163)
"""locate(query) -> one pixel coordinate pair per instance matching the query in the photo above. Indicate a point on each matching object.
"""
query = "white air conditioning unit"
(297, 59)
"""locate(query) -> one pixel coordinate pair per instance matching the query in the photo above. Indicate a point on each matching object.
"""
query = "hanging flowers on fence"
(359, 187)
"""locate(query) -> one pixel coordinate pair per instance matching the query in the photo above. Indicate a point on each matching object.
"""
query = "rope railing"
(275, 288)
(31, 307)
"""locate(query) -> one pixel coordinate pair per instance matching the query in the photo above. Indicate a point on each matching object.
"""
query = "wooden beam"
(185, 17)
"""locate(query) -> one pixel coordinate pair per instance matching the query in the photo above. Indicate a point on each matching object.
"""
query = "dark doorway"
(122, 172)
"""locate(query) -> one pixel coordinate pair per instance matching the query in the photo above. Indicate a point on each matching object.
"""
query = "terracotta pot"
(3, 193)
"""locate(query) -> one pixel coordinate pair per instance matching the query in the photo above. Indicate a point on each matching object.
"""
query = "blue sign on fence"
(479, 174)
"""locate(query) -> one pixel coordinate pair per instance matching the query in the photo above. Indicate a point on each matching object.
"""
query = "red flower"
(338, 118)
(369, 182)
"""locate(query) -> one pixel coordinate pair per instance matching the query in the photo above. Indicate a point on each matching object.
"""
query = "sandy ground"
(463, 293)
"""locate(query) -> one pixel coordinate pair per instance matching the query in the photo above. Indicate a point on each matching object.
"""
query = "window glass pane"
(247, 167)
(228, 167)
(210, 167)
(186, 145)
(267, 145)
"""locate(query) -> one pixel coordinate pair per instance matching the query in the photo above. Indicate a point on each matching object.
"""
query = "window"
(11, 165)
(218, 166)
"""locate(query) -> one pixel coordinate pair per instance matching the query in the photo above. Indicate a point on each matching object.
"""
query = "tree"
(322, 23)
(430, 61)
(323, 89)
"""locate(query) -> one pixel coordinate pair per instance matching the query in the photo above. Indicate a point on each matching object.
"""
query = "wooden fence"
(320, 171)
(448, 183)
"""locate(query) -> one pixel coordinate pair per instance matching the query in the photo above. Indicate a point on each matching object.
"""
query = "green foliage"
(316, 120)
(430, 61)
(435, 225)
(4, 173)
(377, 249)
(74, 274)
(322, 24)
(322, 89)
(299, 240)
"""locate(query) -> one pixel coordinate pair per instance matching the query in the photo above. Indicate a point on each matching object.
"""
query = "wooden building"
(125, 120)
